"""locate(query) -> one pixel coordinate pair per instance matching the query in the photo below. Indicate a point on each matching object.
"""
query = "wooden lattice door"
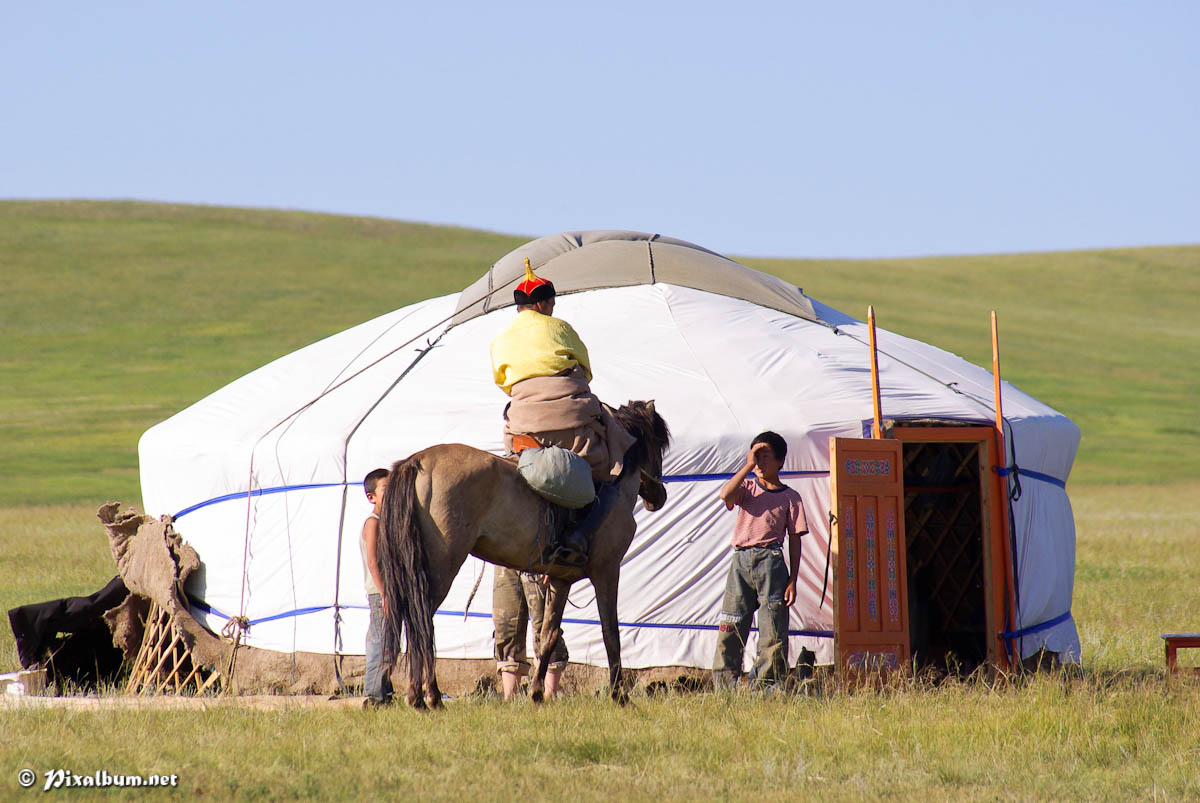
(944, 520)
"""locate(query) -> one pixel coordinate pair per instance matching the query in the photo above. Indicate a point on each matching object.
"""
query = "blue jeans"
(378, 682)
(757, 579)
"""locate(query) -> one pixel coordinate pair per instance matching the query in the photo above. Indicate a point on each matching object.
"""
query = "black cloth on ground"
(36, 627)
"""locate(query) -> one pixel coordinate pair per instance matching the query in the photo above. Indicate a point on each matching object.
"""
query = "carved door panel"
(870, 589)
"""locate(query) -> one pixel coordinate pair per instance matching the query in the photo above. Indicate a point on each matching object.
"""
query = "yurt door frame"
(956, 548)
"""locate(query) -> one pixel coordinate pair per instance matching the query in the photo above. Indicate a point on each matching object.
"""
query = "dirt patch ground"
(262, 702)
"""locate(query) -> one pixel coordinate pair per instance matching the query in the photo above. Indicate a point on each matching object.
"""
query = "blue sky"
(791, 129)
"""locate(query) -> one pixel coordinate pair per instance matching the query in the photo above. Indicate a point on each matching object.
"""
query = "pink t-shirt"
(765, 517)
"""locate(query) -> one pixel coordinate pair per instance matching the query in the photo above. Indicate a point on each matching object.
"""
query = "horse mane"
(647, 427)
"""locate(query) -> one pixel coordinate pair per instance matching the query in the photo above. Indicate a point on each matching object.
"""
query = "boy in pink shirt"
(759, 578)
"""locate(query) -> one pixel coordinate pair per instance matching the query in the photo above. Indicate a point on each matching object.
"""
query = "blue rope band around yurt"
(201, 605)
(1013, 635)
(259, 492)
(314, 486)
(670, 478)
(1033, 475)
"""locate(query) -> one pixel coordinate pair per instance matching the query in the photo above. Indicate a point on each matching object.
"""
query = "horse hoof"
(537, 697)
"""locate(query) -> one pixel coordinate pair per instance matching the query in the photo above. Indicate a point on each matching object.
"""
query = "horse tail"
(405, 570)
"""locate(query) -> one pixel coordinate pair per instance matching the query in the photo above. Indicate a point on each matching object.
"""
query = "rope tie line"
(474, 591)
(233, 629)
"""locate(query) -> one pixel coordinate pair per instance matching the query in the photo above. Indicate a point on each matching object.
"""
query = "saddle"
(522, 442)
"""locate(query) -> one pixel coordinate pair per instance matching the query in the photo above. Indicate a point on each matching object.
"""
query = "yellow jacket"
(536, 345)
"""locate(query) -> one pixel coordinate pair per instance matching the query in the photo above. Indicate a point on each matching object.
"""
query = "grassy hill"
(117, 315)
(1109, 338)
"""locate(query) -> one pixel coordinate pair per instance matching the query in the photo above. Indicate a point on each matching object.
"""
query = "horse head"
(653, 492)
(646, 455)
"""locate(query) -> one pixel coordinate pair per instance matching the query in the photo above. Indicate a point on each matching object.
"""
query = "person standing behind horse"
(758, 577)
(377, 683)
(543, 365)
(517, 598)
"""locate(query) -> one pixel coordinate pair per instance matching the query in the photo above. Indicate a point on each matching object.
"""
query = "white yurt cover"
(264, 476)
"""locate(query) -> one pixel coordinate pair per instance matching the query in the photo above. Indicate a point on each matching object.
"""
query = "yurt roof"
(592, 260)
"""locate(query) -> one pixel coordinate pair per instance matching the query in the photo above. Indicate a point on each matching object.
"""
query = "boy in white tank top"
(377, 684)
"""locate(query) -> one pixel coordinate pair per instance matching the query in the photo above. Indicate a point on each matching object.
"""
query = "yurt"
(968, 555)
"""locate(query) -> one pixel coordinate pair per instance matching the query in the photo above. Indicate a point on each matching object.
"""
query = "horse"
(451, 500)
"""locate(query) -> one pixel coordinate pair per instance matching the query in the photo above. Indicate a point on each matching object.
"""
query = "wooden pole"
(1001, 465)
(1003, 461)
(213, 679)
(178, 653)
(876, 428)
(192, 675)
(157, 675)
(150, 628)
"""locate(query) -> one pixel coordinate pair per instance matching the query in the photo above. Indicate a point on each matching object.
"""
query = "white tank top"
(368, 580)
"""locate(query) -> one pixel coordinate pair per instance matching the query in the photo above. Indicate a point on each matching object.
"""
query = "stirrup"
(572, 551)
(572, 558)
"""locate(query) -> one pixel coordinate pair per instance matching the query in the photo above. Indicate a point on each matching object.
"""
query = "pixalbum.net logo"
(63, 778)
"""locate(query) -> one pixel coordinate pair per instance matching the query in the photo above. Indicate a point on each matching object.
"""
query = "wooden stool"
(1174, 642)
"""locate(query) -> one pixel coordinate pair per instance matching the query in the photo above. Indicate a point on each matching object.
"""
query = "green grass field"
(1049, 739)
(116, 315)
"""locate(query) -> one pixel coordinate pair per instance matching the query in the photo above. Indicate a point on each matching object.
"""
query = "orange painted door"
(870, 589)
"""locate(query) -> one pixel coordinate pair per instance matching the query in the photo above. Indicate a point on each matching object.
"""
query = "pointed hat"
(533, 289)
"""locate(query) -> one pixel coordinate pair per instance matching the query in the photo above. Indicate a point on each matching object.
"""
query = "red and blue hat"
(533, 289)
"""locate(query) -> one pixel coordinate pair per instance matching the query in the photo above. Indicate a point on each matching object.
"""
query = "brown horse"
(451, 500)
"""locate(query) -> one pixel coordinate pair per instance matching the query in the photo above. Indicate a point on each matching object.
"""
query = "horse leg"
(426, 696)
(605, 582)
(550, 633)
(433, 695)
(448, 556)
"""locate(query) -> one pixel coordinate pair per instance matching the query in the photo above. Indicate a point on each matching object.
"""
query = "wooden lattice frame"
(164, 663)
(957, 565)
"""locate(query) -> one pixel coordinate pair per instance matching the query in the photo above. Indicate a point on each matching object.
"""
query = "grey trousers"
(378, 681)
(757, 579)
